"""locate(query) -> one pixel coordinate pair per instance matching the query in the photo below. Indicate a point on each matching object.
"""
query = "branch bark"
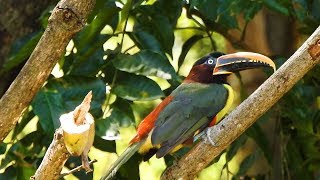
(67, 18)
(223, 134)
(54, 159)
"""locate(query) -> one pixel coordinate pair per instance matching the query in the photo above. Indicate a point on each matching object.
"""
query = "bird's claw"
(208, 132)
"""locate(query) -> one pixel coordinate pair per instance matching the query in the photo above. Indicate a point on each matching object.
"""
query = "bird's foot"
(208, 138)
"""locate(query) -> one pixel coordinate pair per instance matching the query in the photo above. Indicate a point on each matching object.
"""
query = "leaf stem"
(125, 26)
(204, 28)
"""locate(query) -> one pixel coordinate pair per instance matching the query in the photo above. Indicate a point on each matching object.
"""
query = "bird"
(200, 101)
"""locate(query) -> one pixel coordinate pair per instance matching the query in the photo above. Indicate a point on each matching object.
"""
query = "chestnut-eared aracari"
(202, 100)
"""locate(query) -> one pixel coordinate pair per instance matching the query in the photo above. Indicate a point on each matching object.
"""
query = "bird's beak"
(239, 61)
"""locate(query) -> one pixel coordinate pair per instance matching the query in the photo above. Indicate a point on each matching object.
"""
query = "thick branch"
(67, 18)
(306, 57)
(54, 159)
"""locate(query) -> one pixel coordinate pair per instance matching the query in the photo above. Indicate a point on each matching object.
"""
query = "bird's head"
(215, 67)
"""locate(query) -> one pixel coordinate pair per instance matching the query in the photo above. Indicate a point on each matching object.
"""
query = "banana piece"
(78, 131)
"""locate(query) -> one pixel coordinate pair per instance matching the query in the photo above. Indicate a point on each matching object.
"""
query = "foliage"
(127, 56)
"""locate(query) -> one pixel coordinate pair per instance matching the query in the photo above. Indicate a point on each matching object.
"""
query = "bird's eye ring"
(210, 61)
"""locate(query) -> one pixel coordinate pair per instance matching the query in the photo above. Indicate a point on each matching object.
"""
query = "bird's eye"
(210, 61)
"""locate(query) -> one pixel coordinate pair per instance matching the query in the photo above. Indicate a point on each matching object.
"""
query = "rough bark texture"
(67, 18)
(54, 159)
(223, 134)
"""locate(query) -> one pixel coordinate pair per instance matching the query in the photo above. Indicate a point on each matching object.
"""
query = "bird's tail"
(123, 158)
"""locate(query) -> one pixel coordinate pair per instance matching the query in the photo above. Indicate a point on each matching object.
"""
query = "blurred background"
(132, 53)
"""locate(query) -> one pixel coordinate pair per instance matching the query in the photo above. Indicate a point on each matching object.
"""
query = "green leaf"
(126, 117)
(276, 6)
(74, 89)
(295, 161)
(187, 46)
(134, 87)
(25, 172)
(48, 106)
(130, 170)
(207, 7)
(107, 129)
(88, 64)
(149, 20)
(3, 147)
(90, 33)
(146, 63)
(21, 50)
(145, 40)
(9, 173)
(170, 9)
(89, 42)
(121, 116)
(228, 21)
(251, 11)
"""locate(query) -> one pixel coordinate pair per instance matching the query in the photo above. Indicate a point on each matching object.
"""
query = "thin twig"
(188, 28)
(76, 169)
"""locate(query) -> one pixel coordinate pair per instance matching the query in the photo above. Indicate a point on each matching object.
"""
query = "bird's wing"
(190, 109)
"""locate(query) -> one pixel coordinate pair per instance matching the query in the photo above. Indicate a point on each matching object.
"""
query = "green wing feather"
(190, 109)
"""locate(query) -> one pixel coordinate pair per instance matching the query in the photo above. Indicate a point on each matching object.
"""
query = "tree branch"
(54, 159)
(71, 138)
(223, 134)
(67, 18)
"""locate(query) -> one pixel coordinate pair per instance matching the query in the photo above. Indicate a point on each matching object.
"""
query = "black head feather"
(213, 55)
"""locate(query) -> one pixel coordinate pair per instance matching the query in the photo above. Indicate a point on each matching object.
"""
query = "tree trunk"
(17, 21)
